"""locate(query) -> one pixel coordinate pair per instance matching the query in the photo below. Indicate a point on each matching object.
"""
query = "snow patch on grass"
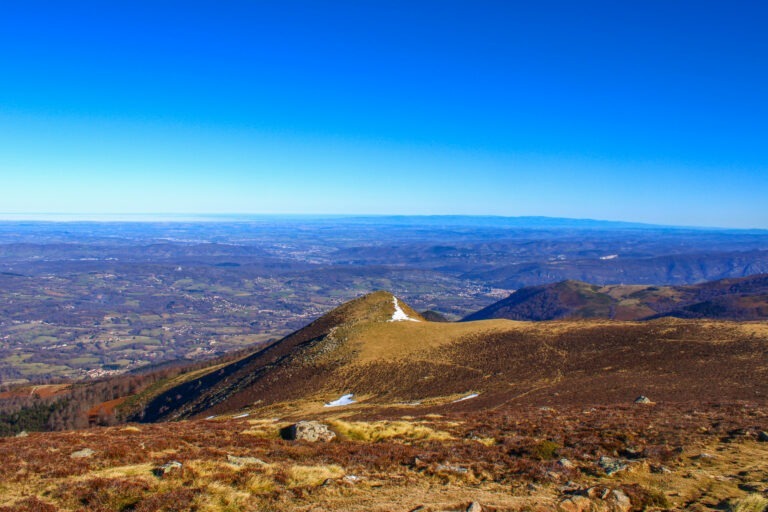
(399, 315)
(473, 395)
(344, 400)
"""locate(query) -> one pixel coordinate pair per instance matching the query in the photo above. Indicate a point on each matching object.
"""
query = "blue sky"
(653, 111)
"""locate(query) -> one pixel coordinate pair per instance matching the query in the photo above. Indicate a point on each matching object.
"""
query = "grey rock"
(762, 436)
(642, 399)
(312, 431)
(617, 500)
(660, 469)
(82, 454)
(474, 507)
(565, 463)
(611, 465)
(451, 468)
(23, 433)
(166, 468)
(244, 461)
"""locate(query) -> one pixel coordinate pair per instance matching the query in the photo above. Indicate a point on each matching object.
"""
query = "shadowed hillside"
(729, 299)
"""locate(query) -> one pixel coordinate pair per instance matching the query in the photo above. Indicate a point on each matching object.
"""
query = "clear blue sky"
(653, 110)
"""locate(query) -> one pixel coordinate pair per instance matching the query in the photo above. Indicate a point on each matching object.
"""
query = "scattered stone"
(311, 431)
(703, 456)
(244, 461)
(565, 463)
(642, 399)
(420, 508)
(611, 465)
(23, 433)
(575, 504)
(738, 432)
(762, 436)
(474, 507)
(166, 468)
(82, 454)
(451, 468)
(597, 498)
(619, 501)
(659, 469)
(352, 478)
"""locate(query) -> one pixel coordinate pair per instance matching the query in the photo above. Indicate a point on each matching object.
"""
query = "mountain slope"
(733, 299)
(401, 365)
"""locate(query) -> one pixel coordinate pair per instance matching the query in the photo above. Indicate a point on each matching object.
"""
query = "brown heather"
(446, 461)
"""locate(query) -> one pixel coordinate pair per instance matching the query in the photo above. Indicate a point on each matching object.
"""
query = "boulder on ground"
(642, 399)
(166, 468)
(611, 465)
(82, 454)
(311, 431)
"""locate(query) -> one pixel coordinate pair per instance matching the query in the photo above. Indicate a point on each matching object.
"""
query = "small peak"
(378, 306)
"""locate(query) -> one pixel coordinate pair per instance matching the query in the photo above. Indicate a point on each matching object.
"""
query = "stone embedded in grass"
(244, 461)
(762, 436)
(642, 399)
(311, 431)
(166, 468)
(611, 465)
(82, 454)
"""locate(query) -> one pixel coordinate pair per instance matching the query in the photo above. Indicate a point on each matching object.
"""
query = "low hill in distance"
(729, 299)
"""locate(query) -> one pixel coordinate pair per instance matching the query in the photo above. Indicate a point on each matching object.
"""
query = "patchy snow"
(399, 315)
(473, 395)
(609, 257)
(244, 415)
(344, 400)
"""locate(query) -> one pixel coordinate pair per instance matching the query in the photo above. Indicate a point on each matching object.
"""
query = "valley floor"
(685, 456)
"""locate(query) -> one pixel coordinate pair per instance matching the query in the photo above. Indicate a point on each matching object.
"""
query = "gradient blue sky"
(653, 111)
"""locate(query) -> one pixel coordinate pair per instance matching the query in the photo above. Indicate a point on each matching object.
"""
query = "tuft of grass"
(260, 484)
(545, 450)
(384, 430)
(751, 503)
(312, 476)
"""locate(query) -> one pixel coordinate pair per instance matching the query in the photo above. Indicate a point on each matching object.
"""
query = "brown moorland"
(683, 456)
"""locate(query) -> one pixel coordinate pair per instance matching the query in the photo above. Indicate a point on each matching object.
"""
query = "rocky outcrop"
(312, 431)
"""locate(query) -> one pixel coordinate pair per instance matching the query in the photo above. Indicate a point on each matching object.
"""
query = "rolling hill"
(731, 299)
(412, 364)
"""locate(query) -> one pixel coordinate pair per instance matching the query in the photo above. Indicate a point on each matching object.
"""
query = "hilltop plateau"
(382, 352)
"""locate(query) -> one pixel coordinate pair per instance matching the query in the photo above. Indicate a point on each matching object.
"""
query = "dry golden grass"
(312, 476)
(751, 503)
(375, 431)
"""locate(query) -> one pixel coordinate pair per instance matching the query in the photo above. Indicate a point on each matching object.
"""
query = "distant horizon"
(169, 217)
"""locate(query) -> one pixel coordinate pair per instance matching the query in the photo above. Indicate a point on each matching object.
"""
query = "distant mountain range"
(731, 299)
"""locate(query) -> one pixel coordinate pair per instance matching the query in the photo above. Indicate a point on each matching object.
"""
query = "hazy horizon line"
(244, 217)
